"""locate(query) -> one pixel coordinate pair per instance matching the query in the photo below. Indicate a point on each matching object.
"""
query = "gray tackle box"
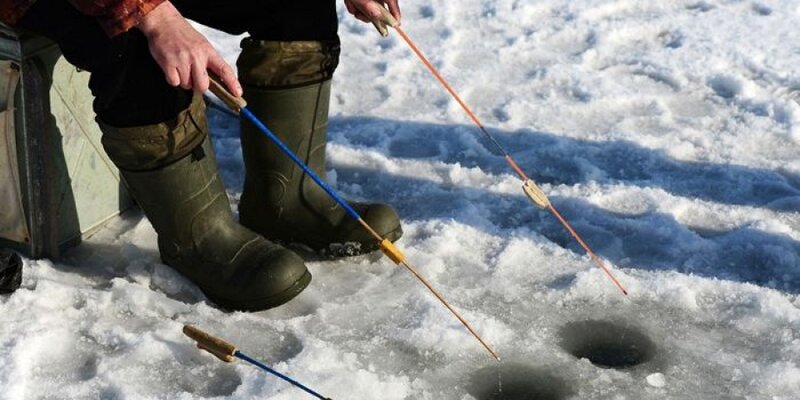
(56, 184)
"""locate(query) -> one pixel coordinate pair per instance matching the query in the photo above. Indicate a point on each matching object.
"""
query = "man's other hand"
(367, 10)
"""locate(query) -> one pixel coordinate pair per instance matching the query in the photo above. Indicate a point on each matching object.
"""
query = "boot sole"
(267, 302)
(342, 250)
(337, 250)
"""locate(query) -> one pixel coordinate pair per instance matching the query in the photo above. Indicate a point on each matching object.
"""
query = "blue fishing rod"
(239, 106)
(228, 352)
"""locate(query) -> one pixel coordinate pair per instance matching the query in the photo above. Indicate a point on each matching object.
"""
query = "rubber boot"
(287, 85)
(187, 205)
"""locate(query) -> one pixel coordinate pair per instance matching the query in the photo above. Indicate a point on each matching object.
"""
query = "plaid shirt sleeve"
(116, 16)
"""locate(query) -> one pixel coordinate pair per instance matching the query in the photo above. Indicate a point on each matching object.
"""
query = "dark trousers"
(129, 87)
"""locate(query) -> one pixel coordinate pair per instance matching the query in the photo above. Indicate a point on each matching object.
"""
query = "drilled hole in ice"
(516, 382)
(607, 344)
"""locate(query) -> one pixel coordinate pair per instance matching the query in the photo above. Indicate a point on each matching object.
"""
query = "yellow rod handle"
(390, 250)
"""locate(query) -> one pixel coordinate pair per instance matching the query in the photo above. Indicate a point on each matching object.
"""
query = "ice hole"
(607, 344)
(516, 382)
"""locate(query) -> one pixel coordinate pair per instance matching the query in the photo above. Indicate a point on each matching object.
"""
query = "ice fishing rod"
(239, 105)
(228, 352)
(531, 189)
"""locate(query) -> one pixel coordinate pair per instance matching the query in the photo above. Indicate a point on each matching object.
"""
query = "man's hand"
(367, 10)
(183, 53)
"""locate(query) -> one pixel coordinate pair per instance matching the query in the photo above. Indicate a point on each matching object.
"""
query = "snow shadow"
(561, 160)
(652, 241)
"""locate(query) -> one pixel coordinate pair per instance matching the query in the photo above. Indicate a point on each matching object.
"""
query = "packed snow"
(667, 132)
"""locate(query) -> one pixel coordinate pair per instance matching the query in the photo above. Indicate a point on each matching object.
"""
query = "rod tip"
(625, 292)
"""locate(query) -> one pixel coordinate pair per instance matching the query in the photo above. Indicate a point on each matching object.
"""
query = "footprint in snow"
(701, 6)
(724, 86)
(762, 10)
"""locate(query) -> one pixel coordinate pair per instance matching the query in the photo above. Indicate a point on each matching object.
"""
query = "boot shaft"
(185, 202)
(154, 146)
(288, 84)
(170, 170)
(283, 65)
(299, 117)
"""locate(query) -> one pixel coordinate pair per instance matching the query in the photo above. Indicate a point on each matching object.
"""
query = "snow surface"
(667, 132)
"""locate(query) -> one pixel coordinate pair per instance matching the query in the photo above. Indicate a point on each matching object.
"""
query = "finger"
(350, 7)
(199, 76)
(218, 66)
(172, 75)
(394, 8)
(362, 17)
(372, 10)
(185, 73)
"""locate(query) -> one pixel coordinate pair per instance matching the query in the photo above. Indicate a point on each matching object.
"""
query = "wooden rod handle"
(215, 85)
(385, 21)
(216, 346)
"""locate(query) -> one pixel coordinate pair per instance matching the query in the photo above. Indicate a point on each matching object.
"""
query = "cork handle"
(216, 346)
(385, 21)
(215, 85)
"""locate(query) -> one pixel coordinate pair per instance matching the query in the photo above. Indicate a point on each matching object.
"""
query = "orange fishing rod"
(531, 189)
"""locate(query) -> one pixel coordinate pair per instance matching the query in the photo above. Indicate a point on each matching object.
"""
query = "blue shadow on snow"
(652, 241)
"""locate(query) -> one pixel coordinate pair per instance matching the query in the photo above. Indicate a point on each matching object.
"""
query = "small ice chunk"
(656, 380)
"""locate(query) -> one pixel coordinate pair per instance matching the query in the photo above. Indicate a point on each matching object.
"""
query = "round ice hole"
(516, 382)
(607, 344)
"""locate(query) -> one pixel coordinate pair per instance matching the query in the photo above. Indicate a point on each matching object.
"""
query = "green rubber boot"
(287, 85)
(187, 205)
